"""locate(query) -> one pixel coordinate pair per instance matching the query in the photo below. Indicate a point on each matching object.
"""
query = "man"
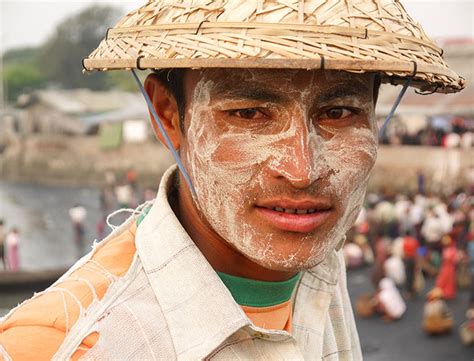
(12, 243)
(239, 256)
(78, 214)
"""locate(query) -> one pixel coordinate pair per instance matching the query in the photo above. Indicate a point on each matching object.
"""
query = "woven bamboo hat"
(351, 35)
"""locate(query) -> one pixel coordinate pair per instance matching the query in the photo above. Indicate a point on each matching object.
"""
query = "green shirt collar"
(253, 293)
(248, 292)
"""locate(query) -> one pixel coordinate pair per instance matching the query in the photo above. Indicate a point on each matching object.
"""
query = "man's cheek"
(353, 156)
(231, 153)
(240, 157)
(359, 164)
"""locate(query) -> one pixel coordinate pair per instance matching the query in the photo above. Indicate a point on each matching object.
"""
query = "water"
(41, 214)
(46, 233)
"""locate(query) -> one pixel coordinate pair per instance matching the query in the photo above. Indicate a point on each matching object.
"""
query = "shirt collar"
(200, 311)
(198, 308)
(255, 293)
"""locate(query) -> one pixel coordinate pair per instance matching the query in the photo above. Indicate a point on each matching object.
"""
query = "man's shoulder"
(40, 324)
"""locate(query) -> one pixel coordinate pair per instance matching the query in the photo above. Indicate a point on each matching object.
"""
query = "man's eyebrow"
(343, 91)
(252, 94)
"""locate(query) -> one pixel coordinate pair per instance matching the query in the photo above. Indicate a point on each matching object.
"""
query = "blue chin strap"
(399, 99)
(156, 121)
(394, 107)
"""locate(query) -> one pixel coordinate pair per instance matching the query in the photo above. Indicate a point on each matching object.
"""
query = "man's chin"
(290, 263)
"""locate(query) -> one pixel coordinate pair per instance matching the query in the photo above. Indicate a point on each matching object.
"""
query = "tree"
(74, 39)
(21, 56)
(21, 78)
(20, 72)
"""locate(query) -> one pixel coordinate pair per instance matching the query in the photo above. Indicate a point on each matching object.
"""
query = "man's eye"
(249, 113)
(337, 113)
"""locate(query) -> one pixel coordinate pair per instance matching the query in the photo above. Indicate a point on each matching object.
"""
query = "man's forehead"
(274, 84)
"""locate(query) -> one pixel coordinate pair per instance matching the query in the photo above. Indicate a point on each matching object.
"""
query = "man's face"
(279, 158)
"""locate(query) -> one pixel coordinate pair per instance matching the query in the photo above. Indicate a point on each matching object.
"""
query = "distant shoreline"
(79, 162)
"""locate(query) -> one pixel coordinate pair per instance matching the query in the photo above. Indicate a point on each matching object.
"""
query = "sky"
(31, 22)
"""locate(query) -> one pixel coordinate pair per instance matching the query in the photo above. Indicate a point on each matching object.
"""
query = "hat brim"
(393, 72)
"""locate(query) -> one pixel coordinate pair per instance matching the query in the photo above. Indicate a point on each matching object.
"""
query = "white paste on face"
(228, 183)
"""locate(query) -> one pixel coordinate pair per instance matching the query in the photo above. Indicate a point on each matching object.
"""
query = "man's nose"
(301, 161)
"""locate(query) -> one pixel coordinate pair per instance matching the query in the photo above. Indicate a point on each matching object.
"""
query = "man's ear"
(166, 107)
(377, 82)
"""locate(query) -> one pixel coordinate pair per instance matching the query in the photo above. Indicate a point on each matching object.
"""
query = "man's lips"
(296, 216)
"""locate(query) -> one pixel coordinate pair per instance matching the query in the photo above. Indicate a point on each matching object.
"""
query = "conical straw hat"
(351, 35)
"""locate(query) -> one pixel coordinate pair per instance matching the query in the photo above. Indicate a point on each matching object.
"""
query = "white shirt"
(171, 305)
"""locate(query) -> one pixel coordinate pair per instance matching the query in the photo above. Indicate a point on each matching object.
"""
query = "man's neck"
(221, 256)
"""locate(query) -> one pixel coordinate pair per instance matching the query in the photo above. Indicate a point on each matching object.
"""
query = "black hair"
(173, 80)
(377, 83)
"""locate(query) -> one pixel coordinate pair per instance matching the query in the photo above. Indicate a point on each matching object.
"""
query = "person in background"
(3, 237)
(437, 318)
(417, 214)
(100, 227)
(12, 243)
(381, 255)
(394, 267)
(421, 181)
(466, 330)
(446, 280)
(132, 178)
(372, 219)
(353, 255)
(137, 192)
(78, 215)
(389, 303)
(387, 217)
(124, 195)
(405, 225)
(432, 230)
(362, 242)
(410, 247)
(110, 178)
(107, 200)
(470, 254)
(424, 259)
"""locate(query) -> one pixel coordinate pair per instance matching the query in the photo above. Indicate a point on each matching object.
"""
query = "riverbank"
(79, 162)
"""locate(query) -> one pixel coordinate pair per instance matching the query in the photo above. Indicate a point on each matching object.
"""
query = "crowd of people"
(126, 194)
(454, 132)
(115, 195)
(408, 239)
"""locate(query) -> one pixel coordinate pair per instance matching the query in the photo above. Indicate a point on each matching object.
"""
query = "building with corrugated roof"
(75, 112)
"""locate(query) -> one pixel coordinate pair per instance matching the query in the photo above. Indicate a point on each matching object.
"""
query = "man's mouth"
(295, 216)
(293, 210)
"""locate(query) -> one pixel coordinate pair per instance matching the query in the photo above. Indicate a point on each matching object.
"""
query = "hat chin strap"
(156, 121)
(395, 106)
